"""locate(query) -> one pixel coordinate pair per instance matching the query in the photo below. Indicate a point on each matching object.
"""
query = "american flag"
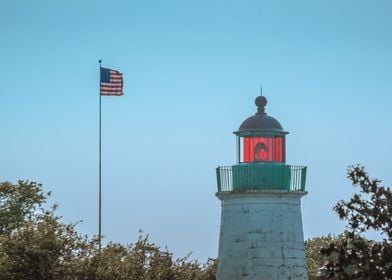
(111, 82)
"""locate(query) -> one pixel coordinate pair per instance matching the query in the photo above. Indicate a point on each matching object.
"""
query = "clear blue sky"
(192, 70)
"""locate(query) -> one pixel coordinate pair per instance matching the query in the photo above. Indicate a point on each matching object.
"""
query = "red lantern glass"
(263, 149)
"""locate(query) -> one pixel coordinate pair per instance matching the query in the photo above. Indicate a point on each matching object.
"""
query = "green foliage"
(40, 248)
(352, 256)
(17, 202)
(314, 258)
(142, 261)
(35, 244)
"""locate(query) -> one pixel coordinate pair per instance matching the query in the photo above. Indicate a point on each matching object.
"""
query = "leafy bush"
(35, 244)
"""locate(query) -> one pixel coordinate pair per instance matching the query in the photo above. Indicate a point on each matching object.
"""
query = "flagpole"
(100, 165)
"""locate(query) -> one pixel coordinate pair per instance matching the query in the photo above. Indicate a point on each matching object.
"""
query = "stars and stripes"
(111, 82)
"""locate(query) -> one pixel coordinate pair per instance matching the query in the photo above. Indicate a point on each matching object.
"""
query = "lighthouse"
(261, 235)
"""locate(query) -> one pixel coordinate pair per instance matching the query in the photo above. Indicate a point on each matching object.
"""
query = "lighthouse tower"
(261, 235)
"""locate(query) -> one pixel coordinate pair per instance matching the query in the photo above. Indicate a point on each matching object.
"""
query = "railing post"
(218, 178)
(303, 178)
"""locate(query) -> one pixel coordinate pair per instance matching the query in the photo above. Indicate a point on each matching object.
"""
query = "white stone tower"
(261, 235)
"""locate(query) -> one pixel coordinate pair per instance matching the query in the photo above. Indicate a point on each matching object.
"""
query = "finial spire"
(261, 101)
(261, 90)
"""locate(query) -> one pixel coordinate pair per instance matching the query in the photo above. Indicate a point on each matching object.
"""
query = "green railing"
(256, 176)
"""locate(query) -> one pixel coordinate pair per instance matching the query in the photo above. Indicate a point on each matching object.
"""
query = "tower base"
(261, 236)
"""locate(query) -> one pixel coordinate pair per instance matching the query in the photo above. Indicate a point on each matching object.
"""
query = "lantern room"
(261, 138)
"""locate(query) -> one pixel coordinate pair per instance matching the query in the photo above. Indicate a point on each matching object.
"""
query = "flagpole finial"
(100, 61)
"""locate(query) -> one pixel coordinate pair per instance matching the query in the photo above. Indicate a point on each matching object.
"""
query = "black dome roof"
(261, 122)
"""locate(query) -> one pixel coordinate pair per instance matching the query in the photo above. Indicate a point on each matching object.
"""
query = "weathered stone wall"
(261, 236)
